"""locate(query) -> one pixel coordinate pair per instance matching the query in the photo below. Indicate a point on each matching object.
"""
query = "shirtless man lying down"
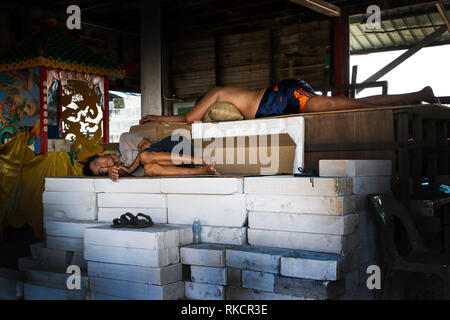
(289, 96)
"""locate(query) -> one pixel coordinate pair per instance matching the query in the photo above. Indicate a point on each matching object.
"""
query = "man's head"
(98, 165)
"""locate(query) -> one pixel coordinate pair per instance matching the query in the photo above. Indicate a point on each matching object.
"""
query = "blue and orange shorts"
(285, 97)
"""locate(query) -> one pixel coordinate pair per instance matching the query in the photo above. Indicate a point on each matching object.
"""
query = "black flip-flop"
(124, 221)
(143, 223)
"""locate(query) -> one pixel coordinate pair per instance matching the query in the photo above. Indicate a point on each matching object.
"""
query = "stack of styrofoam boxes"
(247, 272)
(369, 177)
(70, 206)
(219, 204)
(140, 264)
(311, 214)
(134, 195)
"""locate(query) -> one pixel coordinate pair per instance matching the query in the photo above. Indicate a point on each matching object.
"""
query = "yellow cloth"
(222, 111)
(22, 181)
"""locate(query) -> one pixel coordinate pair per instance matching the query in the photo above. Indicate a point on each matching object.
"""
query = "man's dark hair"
(87, 167)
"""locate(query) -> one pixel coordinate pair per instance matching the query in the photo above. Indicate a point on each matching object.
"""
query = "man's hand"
(113, 173)
(143, 144)
(146, 118)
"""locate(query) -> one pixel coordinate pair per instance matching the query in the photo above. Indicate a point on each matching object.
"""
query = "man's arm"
(152, 118)
(115, 172)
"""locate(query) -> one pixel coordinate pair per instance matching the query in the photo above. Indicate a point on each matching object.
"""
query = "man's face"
(101, 165)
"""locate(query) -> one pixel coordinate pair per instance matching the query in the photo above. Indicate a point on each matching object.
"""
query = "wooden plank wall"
(252, 59)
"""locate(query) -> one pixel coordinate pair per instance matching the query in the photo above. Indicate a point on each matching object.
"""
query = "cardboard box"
(249, 155)
(156, 131)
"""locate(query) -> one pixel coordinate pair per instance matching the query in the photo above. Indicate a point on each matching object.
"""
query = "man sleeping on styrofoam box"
(169, 152)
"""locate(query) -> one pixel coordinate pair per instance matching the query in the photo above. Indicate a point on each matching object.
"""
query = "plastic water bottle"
(196, 229)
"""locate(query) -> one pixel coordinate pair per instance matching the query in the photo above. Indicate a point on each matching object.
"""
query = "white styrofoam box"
(137, 290)
(203, 291)
(158, 215)
(54, 276)
(369, 185)
(255, 258)
(302, 222)
(156, 276)
(67, 228)
(65, 243)
(307, 288)
(234, 277)
(212, 210)
(131, 256)
(301, 204)
(233, 293)
(84, 199)
(204, 254)
(294, 126)
(157, 237)
(204, 185)
(70, 212)
(258, 280)
(303, 241)
(25, 263)
(354, 168)
(38, 291)
(209, 275)
(128, 185)
(311, 265)
(69, 184)
(59, 258)
(10, 283)
(298, 186)
(220, 235)
(132, 200)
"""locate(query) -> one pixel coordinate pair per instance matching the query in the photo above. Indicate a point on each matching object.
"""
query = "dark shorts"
(171, 144)
(285, 97)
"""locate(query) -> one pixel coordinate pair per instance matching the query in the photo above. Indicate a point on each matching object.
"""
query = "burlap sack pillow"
(222, 111)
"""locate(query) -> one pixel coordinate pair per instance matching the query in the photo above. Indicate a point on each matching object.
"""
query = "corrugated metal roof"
(400, 29)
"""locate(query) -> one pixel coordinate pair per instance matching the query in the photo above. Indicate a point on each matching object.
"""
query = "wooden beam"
(443, 14)
(320, 6)
(413, 50)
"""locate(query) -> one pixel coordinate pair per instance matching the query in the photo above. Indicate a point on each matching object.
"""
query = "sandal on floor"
(124, 221)
(143, 223)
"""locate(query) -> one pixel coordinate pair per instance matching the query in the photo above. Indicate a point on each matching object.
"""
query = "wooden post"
(341, 55)
(151, 99)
